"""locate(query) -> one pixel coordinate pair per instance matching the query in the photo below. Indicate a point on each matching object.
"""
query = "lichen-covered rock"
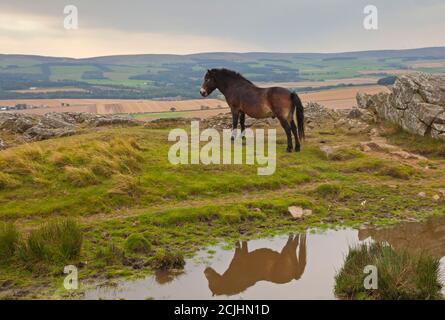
(416, 103)
(32, 127)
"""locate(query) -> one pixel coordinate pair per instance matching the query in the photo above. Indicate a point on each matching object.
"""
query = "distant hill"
(167, 75)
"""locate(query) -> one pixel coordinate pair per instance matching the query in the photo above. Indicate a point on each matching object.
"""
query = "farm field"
(342, 98)
(178, 77)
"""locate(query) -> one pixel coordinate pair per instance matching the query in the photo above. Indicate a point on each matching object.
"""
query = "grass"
(164, 260)
(9, 239)
(400, 275)
(137, 243)
(119, 185)
(160, 115)
(413, 143)
(56, 242)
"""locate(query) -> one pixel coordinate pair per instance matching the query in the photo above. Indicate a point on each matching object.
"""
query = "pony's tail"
(299, 111)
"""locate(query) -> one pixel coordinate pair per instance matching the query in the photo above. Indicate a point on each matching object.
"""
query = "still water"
(284, 267)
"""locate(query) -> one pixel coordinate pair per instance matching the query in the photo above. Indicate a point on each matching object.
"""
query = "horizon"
(218, 52)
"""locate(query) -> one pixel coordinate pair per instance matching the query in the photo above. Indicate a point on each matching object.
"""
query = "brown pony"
(244, 97)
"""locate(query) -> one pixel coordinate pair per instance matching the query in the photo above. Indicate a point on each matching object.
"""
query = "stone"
(436, 197)
(422, 194)
(364, 147)
(328, 150)
(296, 212)
(406, 155)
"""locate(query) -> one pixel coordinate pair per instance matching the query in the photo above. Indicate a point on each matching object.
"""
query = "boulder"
(416, 103)
(40, 132)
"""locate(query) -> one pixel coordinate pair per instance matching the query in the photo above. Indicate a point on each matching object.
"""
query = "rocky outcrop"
(416, 103)
(315, 116)
(32, 127)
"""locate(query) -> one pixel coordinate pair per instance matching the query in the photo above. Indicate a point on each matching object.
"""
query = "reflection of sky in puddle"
(268, 275)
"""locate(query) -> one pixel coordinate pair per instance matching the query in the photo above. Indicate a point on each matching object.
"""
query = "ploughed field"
(134, 212)
(341, 98)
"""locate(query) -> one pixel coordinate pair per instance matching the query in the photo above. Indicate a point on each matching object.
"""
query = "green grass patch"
(137, 243)
(56, 242)
(165, 260)
(400, 275)
(9, 240)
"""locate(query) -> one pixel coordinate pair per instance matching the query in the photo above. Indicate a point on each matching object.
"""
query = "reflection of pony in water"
(247, 268)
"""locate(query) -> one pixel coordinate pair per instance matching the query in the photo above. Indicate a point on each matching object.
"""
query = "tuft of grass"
(165, 260)
(328, 190)
(9, 240)
(56, 242)
(397, 171)
(399, 275)
(343, 154)
(7, 181)
(137, 243)
(110, 255)
(125, 185)
(80, 177)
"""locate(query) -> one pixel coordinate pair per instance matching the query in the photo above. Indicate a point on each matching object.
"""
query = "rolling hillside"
(179, 76)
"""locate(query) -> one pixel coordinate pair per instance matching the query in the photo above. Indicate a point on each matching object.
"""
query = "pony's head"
(209, 84)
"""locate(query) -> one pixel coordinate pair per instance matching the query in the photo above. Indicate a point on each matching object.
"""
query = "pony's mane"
(231, 74)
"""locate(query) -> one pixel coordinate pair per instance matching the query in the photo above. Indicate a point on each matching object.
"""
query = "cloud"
(178, 26)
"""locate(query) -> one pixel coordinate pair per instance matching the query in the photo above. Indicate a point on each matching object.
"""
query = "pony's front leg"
(242, 120)
(235, 116)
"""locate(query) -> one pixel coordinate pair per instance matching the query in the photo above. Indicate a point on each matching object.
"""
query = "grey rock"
(31, 127)
(416, 103)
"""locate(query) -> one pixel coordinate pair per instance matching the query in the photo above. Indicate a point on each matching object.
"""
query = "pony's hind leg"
(287, 128)
(295, 133)
(235, 116)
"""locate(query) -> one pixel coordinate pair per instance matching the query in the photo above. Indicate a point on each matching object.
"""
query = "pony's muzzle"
(203, 92)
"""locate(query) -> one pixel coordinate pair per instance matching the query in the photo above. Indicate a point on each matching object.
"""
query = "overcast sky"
(108, 27)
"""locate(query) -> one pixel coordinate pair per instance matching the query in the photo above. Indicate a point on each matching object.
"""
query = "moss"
(109, 254)
(397, 171)
(343, 154)
(165, 260)
(137, 243)
(328, 190)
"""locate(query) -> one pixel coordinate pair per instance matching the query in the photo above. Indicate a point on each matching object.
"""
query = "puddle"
(283, 267)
